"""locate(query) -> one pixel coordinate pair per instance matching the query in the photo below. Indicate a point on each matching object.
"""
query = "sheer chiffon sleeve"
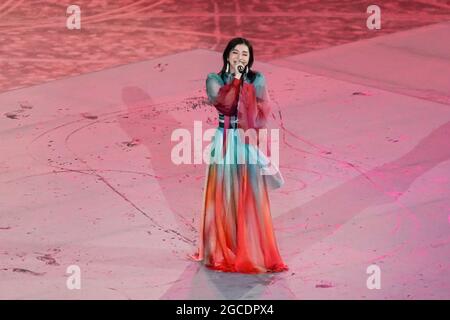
(254, 107)
(223, 96)
(254, 111)
(262, 102)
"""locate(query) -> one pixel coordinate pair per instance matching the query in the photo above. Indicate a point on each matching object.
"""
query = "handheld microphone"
(240, 69)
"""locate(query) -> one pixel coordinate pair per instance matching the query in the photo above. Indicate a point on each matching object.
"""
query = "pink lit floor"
(86, 177)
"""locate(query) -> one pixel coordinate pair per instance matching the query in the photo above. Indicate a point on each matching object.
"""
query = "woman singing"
(236, 232)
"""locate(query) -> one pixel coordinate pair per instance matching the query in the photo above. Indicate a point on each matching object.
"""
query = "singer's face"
(240, 54)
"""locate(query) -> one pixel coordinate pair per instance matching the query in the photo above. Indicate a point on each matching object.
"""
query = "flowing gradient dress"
(236, 231)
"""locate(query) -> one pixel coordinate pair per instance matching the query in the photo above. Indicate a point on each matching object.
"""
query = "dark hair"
(230, 46)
